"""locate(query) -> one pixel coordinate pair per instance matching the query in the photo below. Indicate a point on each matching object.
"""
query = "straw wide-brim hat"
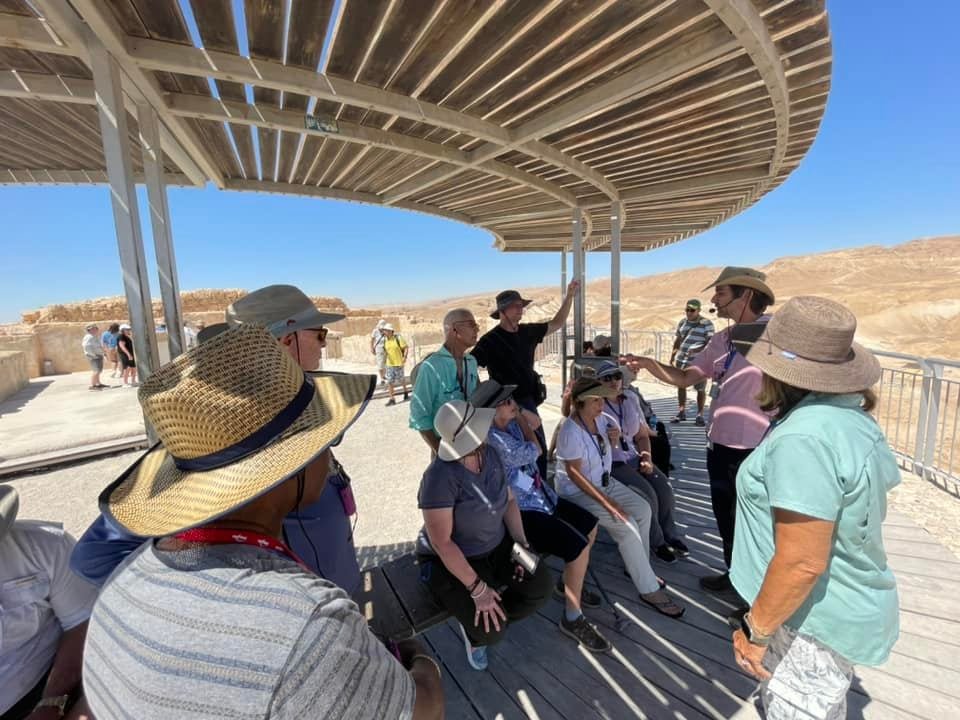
(282, 309)
(809, 344)
(462, 428)
(235, 417)
(9, 506)
(591, 387)
(744, 277)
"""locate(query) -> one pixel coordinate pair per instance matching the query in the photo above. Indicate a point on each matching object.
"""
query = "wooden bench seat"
(397, 605)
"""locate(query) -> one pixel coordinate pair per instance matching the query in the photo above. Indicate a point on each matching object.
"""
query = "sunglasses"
(613, 377)
(508, 401)
(692, 309)
(321, 333)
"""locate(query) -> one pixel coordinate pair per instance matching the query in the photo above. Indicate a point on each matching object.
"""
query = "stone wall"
(13, 373)
(29, 346)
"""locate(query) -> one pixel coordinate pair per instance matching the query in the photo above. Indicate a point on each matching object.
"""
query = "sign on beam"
(328, 125)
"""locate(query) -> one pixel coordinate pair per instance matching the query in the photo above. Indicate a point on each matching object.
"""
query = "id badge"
(523, 482)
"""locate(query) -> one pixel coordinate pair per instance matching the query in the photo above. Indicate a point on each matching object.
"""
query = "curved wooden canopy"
(505, 114)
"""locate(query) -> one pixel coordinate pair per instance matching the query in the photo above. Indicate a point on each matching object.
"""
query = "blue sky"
(884, 169)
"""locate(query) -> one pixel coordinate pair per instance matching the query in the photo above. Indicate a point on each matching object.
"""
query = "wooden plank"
(921, 702)
(921, 672)
(922, 551)
(930, 627)
(403, 575)
(379, 605)
(930, 650)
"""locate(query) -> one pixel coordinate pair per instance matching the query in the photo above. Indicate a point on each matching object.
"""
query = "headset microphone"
(713, 310)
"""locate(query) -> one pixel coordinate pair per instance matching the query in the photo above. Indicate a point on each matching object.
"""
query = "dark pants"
(528, 404)
(722, 465)
(519, 599)
(24, 706)
(564, 534)
(660, 449)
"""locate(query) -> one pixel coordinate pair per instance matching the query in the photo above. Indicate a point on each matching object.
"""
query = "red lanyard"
(222, 536)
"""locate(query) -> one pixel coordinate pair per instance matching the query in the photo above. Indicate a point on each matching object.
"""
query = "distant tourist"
(395, 349)
(376, 349)
(507, 352)
(450, 373)
(109, 342)
(693, 334)
(602, 346)
(189, 336)
(471, 525)
(44, 610)
(93, 351)
(811, 500)
(588, 348)
(737, 423)
(215, 615)
(127, 360)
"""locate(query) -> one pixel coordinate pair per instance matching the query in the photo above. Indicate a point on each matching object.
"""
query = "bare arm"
(576, 476)
(439, 526)
(64, 677)
(557, 321)
(431, 439)
(675, 376)
(529, 434)
(428, 701)
(513, 521)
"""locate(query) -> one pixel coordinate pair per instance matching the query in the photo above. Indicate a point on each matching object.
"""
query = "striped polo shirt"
(233, 631)
(693, 337)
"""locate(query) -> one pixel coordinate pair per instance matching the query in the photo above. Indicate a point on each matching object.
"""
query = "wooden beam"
(43, 86)
(26, 33)
(713, 181)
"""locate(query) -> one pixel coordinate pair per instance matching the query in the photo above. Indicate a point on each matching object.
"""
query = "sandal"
(665, 607)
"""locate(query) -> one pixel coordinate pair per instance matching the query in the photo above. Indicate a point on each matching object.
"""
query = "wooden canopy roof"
(504, 114)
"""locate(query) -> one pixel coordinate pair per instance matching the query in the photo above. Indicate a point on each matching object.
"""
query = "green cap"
(694, 303)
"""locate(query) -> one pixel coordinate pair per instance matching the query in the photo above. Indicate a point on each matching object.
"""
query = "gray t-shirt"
(478, 502)
(233, 631)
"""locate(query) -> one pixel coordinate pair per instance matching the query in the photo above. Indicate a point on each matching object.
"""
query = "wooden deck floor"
(662, 668)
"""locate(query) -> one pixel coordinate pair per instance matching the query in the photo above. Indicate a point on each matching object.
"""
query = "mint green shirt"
(827, 459)
(437, 384)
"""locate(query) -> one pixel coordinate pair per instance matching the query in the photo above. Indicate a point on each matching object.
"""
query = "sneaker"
(585, 634)
(716, 583)
(665, 554)
(588, 598)
(679, 417)
(735, 619)
(699, 421)
(476, 656)
(679, 548)
(390, 402)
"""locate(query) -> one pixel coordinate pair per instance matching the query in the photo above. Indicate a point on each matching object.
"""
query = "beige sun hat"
(744, 277)
(282, 309)
(9, 505)
(809, 344)
(591, 387)
(462, 428)
(236, 416)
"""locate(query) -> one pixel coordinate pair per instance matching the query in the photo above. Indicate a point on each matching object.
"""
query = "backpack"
(416, 368)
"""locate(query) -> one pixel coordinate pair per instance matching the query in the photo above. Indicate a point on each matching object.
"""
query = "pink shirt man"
(735, 418)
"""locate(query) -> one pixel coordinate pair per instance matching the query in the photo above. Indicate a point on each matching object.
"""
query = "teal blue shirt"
(437, 384)
(827, 459)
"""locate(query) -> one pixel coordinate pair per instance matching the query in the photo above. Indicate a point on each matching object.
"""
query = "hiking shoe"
(665, 554)
(585, 634)
(476, 656)
(679, 417)
(679, 548)
(390, 402)
(587, 598)
(716, 583)
(699, 421)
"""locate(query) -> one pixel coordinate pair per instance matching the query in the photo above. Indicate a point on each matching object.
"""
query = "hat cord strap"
(257, 440)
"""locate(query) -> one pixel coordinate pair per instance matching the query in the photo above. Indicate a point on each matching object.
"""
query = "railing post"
(926, 384)
(933, 415)
(578, 274)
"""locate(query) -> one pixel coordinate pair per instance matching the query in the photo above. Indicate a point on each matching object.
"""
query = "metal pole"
(563, 328)
(126, 218)
(578, 263)
(160, 222)
(616, 212)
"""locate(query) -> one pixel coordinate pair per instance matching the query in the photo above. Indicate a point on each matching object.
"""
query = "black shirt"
(125, 341)
(508, 357)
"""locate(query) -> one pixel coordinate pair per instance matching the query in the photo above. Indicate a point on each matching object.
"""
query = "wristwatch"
(754, 636)
(57, 701)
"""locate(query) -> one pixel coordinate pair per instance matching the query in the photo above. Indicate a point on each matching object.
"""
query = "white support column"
(563, 328)
(616, 213)
(160, 223)
(578, 273)
(123, 195)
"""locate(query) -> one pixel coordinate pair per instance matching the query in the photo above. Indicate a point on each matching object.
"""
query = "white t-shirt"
(575, 443)
(91, 346)
(40, 598)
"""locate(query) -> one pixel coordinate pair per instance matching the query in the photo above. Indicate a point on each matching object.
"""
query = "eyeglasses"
(470, 323)
(613, 377)
(321, 333)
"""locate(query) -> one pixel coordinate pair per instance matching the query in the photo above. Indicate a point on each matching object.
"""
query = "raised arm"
(667, 373)
(557, 321)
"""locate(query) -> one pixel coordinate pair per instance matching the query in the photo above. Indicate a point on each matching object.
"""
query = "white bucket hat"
(462, 428)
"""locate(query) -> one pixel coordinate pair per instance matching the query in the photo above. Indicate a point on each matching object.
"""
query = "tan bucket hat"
(462, 428)
(744, 277)
(590, 387)
(282, 309)
(9, 506)
(236, 416)
(809, 344)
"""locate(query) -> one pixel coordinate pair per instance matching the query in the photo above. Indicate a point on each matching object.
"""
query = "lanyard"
(618, 412)
(598, 444)
(221, 536)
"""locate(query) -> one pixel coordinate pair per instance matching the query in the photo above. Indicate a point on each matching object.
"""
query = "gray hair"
(455, 316)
